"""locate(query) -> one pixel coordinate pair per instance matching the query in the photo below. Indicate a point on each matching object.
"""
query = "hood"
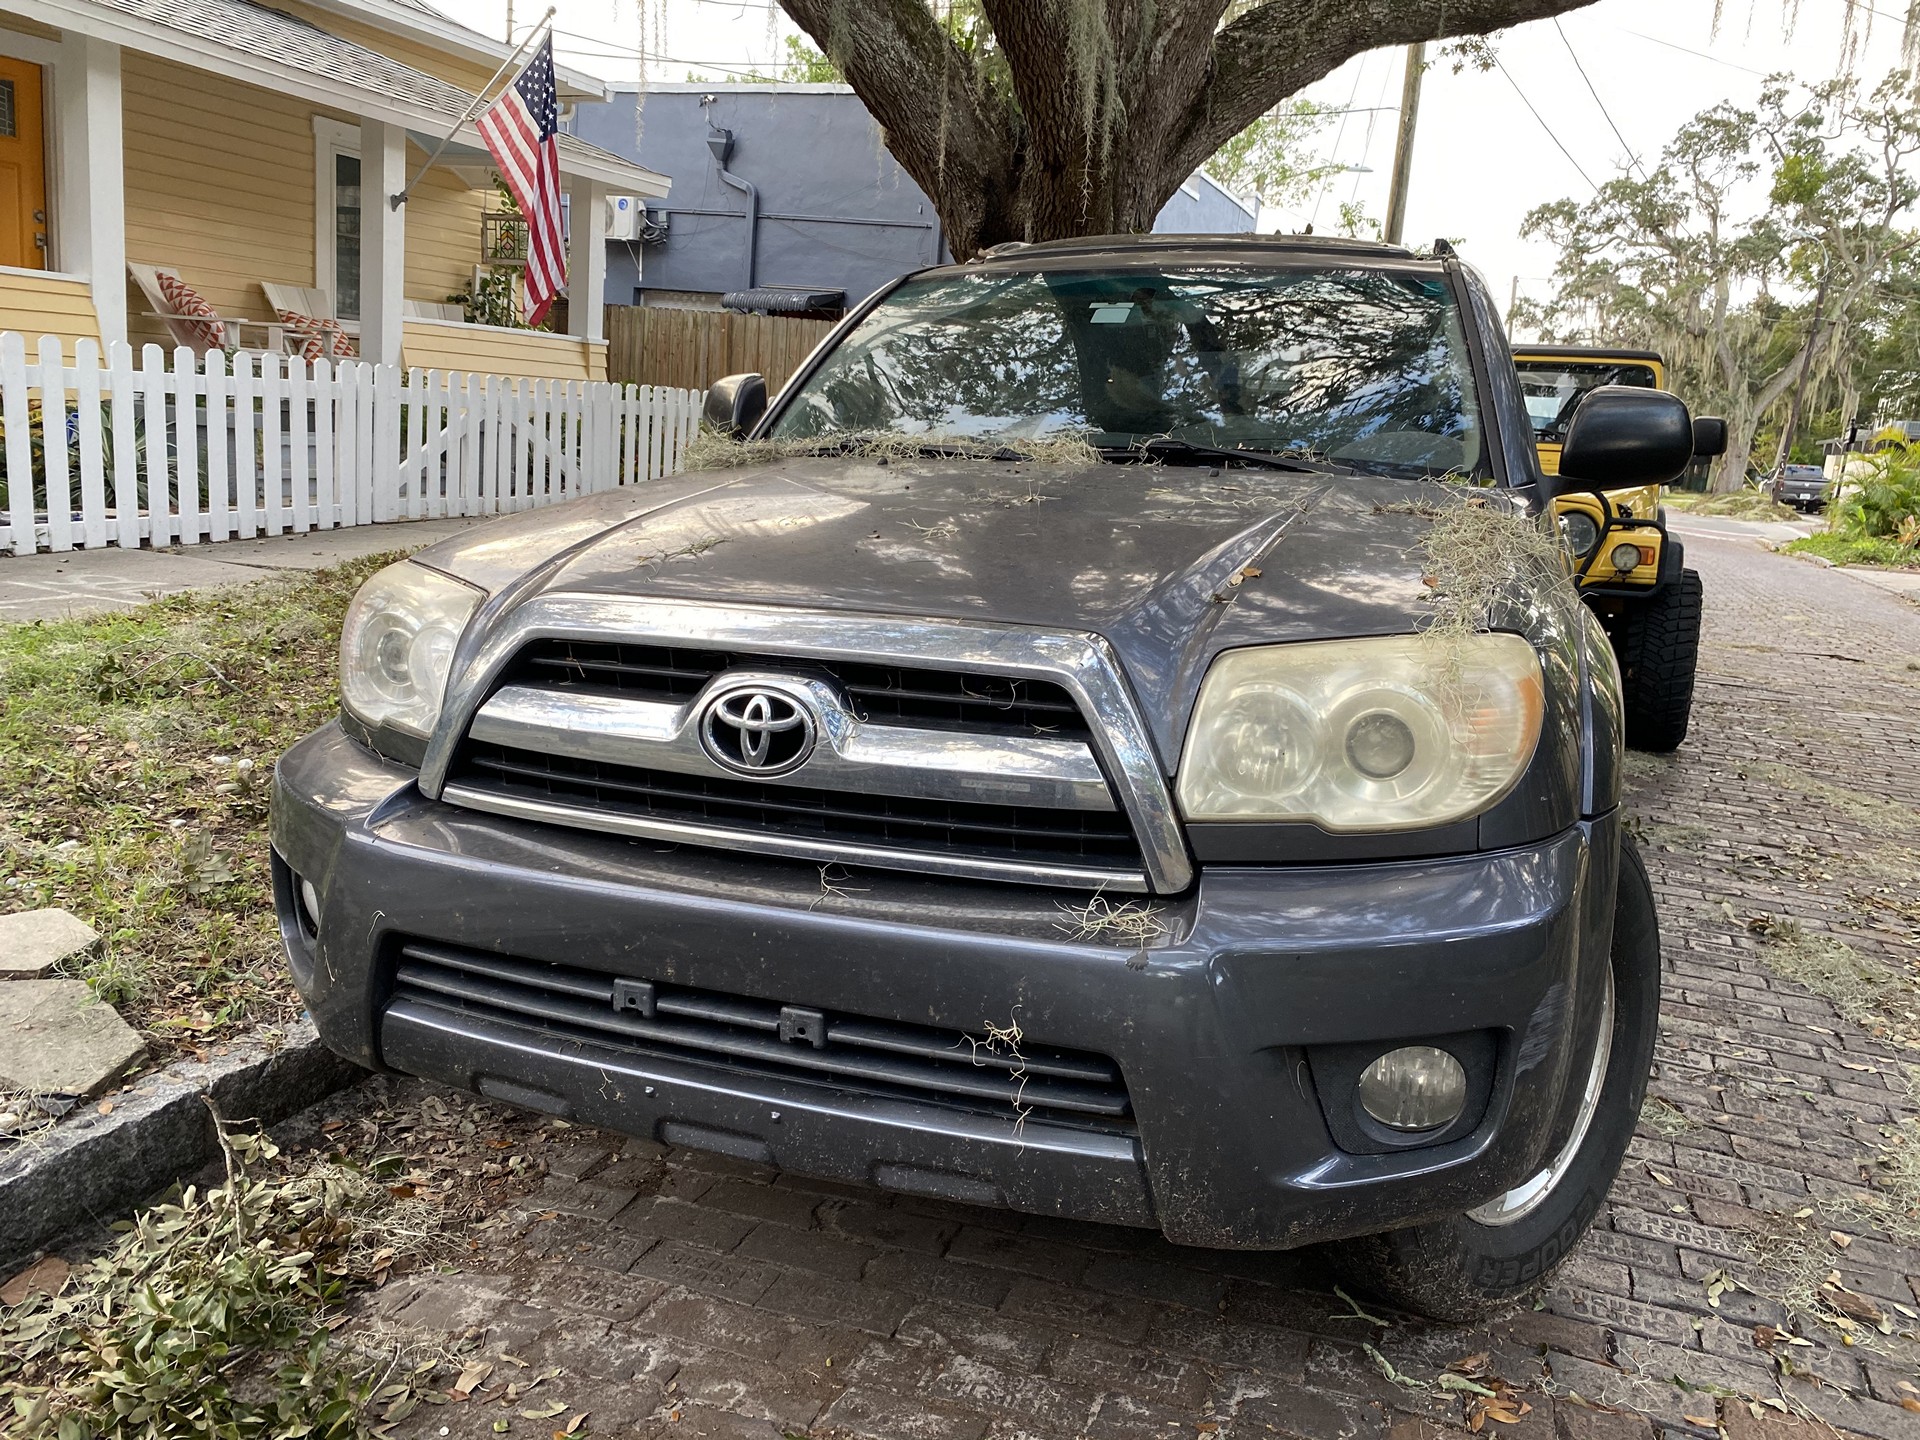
(1171, 564)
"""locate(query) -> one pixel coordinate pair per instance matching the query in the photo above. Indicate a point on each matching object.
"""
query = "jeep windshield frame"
(1333, 364)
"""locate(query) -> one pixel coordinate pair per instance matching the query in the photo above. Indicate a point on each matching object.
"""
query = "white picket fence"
(203, 449)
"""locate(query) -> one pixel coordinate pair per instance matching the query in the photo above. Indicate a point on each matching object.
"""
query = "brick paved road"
(680, 1294)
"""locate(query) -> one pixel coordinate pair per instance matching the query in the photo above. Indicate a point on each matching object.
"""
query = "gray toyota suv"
(1032, 763)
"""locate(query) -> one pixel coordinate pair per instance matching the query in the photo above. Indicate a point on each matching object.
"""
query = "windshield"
(1554, 387)
(1369, 369)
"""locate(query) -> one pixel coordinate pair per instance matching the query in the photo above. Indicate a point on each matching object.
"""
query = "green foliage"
(1270, 159)
(807, 66)
(1843, 550)
(1881, 498)
(206, 1318)
(134, 755)
(1714, 256)
(494, 301)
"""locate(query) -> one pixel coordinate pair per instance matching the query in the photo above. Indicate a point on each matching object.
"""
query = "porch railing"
(181, 450)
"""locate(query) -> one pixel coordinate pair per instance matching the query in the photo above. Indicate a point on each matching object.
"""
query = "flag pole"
(397, 200)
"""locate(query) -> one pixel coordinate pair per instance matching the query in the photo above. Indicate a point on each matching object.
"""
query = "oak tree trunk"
(1104, 106)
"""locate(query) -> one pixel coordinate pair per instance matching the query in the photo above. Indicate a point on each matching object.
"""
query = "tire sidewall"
(1458, 1269)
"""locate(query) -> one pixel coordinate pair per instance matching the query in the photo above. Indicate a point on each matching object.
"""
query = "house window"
(336, 206)
(8, 127)
(346, 235)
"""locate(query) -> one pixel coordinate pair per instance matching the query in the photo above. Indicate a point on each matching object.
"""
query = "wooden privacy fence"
(210, 449)
(655, 345)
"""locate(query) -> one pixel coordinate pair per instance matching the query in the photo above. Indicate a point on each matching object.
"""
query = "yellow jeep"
(1631, 572)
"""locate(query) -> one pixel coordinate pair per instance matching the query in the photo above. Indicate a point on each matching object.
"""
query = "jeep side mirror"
(735, 404)
(1624, 435)
(1709, 437)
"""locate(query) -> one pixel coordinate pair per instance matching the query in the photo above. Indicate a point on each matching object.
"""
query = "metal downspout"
(720, 142)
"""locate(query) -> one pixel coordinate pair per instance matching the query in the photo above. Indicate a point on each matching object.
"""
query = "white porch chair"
(202, 333)
(311, 301)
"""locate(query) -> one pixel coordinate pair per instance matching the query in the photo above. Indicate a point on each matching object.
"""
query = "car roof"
(1195, 249)
(1584, 352)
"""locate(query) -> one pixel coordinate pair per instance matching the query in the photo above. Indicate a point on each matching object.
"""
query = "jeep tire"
(1657, 641)
(1462, 1269)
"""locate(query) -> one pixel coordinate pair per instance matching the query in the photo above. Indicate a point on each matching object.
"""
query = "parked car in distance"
(1631, 570)
(1802, 486)
(1030, 774)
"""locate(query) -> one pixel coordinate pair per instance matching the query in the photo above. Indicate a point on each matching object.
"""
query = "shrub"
(1881, 501)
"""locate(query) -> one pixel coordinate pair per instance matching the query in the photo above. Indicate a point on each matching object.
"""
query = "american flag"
(519, 129)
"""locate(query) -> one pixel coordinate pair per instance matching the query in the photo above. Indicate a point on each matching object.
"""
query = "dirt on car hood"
(1171, 564)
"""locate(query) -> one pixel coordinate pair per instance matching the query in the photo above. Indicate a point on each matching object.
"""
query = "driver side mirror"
(1709, 437)
(1624, 435)
(735, 404)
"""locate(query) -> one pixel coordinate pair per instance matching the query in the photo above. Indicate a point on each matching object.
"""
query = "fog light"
(1416, 1087)
(310, 902)
(1625, 557)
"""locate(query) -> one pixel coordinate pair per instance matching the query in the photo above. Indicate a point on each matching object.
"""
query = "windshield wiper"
(1166, 447)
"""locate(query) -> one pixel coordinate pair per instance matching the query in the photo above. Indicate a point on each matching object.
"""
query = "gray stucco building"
(831, 210)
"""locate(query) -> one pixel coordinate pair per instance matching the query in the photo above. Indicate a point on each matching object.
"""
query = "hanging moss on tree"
(1038, 121)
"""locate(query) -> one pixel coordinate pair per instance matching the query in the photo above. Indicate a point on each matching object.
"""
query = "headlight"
(397, 646)
(1577, 528)
(1387, 734)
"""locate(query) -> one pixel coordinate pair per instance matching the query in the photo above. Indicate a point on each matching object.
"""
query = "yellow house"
(238, 144)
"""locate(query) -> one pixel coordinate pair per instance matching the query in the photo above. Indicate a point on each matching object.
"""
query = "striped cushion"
(320, 337)
(200, 320)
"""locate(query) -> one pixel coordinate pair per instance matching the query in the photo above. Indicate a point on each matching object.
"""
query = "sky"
(1482, 157)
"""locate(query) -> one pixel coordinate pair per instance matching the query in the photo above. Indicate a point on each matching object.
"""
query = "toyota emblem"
(756, 731)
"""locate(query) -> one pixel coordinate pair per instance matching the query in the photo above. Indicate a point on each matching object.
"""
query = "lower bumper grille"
(959, 828)
(920, 1063)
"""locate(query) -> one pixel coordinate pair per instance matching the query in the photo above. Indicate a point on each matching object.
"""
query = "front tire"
(1475, 1264)
(1657, 641)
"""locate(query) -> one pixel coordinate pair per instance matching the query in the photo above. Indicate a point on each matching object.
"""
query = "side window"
(336, 204)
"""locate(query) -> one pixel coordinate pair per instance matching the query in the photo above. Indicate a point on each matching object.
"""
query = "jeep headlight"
(396, 648)
(1580, 531)
(1385, 734)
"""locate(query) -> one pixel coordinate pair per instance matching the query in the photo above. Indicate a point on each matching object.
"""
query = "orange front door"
(23, 167)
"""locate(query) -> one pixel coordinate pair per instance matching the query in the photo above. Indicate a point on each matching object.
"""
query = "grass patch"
(135, 751)
(1737, 504)
(1850, 550)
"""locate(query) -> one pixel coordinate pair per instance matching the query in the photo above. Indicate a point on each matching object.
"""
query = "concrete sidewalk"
(85, 582)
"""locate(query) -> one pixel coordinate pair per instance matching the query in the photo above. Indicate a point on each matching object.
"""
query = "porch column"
(587, 258)
(383, 240)
(90, 194)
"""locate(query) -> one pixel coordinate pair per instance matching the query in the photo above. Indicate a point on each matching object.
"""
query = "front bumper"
(1226, 1028)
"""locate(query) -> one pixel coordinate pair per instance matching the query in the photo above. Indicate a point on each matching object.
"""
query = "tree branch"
(920, 88)
(1280, 47)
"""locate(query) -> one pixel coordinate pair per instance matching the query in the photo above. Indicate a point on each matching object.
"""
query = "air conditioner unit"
(625, 216)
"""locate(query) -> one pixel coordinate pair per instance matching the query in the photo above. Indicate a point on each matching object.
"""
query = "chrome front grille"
(924, 1064)
(903, 824)
(877, 694)
(941, 746)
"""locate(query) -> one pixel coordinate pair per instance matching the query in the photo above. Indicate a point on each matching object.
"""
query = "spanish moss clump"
(1477, 553)
(710, 451)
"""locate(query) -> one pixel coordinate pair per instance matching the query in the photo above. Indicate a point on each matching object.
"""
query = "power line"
(1697, 54)
(1501, 66)
(1632, 159)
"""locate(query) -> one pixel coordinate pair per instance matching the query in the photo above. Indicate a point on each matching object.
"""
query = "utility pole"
(1403, 148)
(1800, 385)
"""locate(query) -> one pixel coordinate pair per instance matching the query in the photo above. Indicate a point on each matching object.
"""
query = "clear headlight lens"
(1580, 532)
(396, 648)
(1358, 735)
